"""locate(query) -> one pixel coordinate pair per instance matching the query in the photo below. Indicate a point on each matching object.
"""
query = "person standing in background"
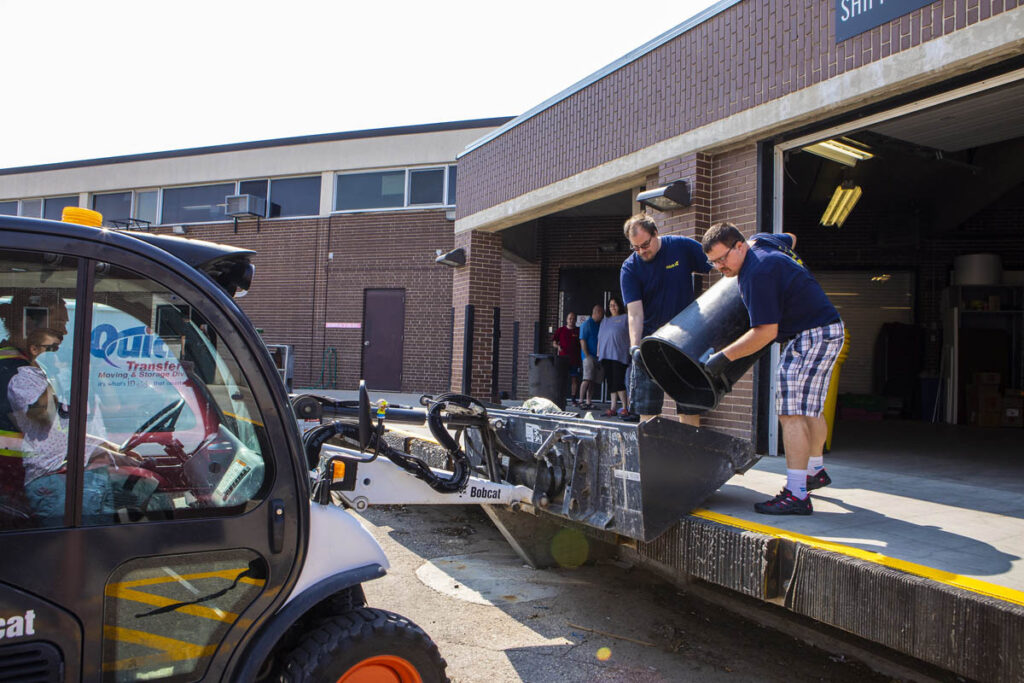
(613, 352)
(592, 372)
(566, 341)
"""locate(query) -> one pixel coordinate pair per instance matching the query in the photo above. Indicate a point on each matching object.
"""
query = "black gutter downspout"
(760, 406)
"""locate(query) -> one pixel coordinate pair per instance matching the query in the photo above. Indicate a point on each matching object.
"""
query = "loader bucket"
(635, 480)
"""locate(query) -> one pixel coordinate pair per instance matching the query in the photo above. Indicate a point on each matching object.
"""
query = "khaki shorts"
(592, 370)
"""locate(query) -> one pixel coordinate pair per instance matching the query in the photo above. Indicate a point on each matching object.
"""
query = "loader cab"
(153, 496)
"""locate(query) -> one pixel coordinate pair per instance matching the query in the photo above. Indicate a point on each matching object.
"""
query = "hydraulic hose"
(460, 461)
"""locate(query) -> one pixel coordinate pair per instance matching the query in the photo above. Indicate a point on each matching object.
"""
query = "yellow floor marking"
(125, 590)
(243, 419)
(120, 593)
(171, 650)
(229, 574)
(959, 581)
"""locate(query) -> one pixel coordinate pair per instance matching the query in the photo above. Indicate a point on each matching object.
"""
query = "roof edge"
(262, 144)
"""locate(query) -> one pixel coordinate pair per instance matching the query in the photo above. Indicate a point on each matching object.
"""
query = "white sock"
(796, 482)
(815, 464)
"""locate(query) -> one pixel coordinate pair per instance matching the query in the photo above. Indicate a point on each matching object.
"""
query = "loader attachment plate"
(635, 480)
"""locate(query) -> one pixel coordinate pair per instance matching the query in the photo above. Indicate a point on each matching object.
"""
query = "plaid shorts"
(806, 369)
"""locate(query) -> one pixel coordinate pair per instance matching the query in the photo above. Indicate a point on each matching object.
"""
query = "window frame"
(21, 206)
(161, 203)
(407, 171)
(270, 193)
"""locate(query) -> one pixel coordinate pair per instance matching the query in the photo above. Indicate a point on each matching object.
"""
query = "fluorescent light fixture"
(839, 207)
(675, 195)
(847, 153)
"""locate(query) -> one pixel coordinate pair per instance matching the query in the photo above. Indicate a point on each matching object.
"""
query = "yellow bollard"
(832, 397)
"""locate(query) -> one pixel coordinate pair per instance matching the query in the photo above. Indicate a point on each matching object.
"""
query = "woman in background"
(613, 352)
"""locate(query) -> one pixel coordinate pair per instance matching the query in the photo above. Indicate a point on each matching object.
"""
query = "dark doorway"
(383, 336)
(580, 289)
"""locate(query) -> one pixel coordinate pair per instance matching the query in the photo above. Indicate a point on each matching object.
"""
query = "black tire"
(338, 644)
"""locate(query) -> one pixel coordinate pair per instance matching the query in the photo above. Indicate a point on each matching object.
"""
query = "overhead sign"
(853, 17)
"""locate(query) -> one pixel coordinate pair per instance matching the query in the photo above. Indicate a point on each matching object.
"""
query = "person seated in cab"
(40, 425)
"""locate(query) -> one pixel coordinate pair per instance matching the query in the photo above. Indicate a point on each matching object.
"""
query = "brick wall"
(748, 54)
(723, 188)
(477, 283)
(569, 243)
(297, 290)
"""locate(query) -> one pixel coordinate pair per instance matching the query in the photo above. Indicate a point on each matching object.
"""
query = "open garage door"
(925, 204)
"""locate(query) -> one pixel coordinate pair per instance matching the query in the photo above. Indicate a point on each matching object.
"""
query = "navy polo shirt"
(664, 284)
(777, 288)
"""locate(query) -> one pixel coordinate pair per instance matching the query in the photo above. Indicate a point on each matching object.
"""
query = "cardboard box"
(984, 398)
(986, 378)
(1012, 417)
(1013, 411)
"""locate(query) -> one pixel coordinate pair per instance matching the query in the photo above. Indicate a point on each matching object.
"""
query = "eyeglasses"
(50, 347)
(721, 259)
(638, 247)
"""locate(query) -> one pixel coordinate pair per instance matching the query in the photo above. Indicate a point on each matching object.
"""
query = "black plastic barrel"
(673, 352)
(549, 377)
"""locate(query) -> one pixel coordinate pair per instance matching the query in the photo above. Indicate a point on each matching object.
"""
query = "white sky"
(99, 78)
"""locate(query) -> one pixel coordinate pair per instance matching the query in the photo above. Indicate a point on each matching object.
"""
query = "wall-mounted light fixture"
(675, 195)
(453, 259)
(839, 207)
(846, 151)
(179, 230)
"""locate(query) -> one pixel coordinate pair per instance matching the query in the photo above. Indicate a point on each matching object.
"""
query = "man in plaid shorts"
(785, 304)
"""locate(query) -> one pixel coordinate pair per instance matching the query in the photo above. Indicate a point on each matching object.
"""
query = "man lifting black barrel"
(785, 304)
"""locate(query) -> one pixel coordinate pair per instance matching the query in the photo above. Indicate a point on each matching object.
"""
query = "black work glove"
(716, 364)
(636, 358)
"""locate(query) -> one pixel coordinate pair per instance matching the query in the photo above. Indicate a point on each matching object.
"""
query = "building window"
(9, 208)
(380, 190)
(395, 189)
(145, 206)
(198, 204)
(115, 206)
(32, 208)
(53, 207)
(426, 186)
(294, 197)
(450, 196)
(257, 188)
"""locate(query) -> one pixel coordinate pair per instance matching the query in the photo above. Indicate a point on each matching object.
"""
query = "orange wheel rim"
(382, 669)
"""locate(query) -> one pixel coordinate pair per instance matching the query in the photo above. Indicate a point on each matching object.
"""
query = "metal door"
(383, 338)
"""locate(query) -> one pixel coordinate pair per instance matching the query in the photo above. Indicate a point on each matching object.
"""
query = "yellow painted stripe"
(229, 574)
(243, 419)
(172, 650)
(957, 580)
(121, 593)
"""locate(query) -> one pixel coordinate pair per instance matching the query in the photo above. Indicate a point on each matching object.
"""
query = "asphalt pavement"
(496, 620)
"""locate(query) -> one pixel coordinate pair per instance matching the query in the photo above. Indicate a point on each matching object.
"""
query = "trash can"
(832, 397)
(672, 353)
(549, 378)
